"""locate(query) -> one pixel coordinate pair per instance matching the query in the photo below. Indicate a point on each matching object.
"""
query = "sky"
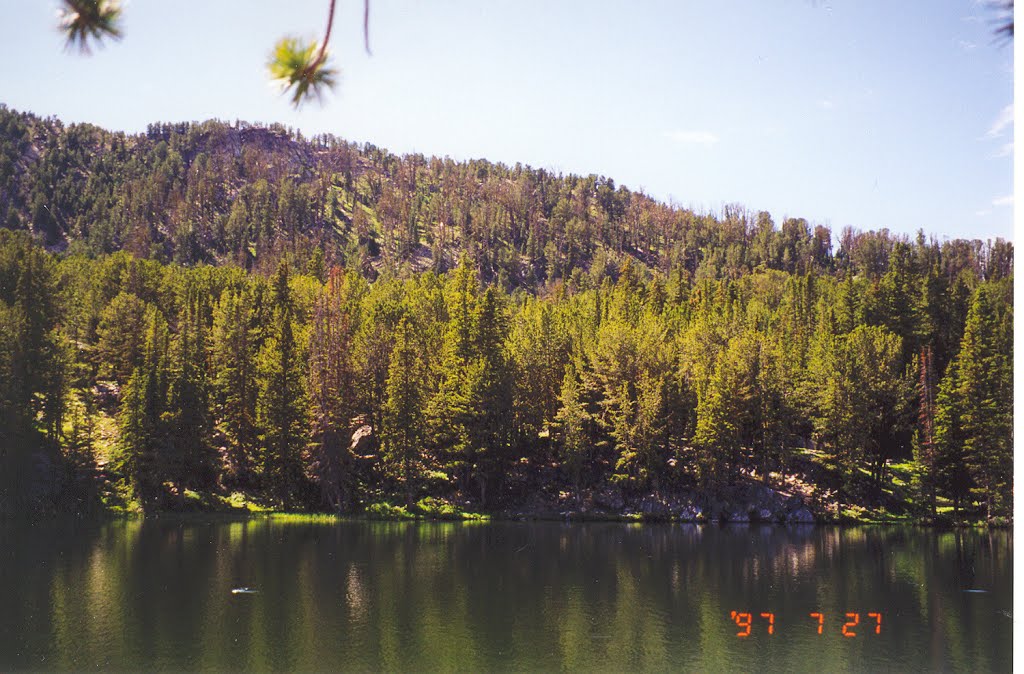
(873, 114)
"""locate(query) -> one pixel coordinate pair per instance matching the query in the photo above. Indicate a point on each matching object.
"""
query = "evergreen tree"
(575, 423)
(120, 334)
(925, 447)
(235, 387)
(280, 407)
(189, 457)
(403, 411)
(984, 387)
(539, 350)
(143, 433)
(723, 404)
(951, 474)
(488, 391)
(863, 404)
(332, 387)
(316, 266)
(450, 409)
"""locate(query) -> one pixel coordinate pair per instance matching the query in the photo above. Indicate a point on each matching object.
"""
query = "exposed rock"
(654, 507)
(106, 393)
(690, 513)
(800, 516)
(764, 495)
(363, 442)
(609, 498)
(736, 515)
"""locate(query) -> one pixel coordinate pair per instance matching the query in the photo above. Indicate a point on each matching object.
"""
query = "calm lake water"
(157, 595)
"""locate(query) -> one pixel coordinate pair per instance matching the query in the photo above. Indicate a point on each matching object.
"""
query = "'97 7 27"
(851, 624)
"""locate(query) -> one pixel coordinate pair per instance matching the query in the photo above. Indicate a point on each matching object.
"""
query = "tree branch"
(323, 45)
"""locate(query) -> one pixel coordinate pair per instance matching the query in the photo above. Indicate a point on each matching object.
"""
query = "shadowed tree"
(975, 412)
(332, 387)
(403, 410)
(234, 384)
(280, 407)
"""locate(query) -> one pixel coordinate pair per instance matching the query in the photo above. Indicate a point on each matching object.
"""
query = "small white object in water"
(976, 591)
(243, 590)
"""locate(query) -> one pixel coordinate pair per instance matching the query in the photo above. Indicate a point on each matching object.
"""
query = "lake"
(273, 594)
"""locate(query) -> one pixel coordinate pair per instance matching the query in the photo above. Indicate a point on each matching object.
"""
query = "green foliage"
(974, 418)
(575, 423)
(297, 66)
(120, 334)
(586, 338)
(281, 403)
(331, 387)
(864, 397)
(234, 383)
(387, 511)
(142, 425)
(403, 411)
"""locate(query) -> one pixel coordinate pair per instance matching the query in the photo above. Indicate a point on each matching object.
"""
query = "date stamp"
(849, 624)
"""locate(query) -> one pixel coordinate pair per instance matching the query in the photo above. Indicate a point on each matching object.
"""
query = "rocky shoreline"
(749, 503)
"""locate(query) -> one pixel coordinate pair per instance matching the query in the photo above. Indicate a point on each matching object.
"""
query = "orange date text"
(849, 624)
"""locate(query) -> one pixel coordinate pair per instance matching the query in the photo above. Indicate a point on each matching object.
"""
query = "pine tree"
(332, 387)
(450, 410)
(316, 266)
(235, 387)
(539, 349)
(986, 391)
(952, 476)
(781, 417)
(121, 331)
(142, 430)
(575, 425)
(489, 423)
(189, 457)
(403, 411)
(280, 406)
(925, 445)
(717, 434)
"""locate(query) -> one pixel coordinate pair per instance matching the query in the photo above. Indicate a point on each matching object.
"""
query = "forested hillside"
(218, 314)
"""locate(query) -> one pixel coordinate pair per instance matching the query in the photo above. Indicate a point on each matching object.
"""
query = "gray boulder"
(800, 516)
(689, 513)
(736, 515)
(609, 498)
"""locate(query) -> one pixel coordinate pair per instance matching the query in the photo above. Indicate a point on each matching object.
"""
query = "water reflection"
(156, 594)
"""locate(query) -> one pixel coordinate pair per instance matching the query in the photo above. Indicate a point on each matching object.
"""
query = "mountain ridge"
(219, 192)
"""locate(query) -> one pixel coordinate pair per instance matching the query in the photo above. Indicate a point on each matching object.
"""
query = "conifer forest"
(225, 316)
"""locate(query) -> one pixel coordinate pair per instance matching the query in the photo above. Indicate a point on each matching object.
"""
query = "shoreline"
(569, 517)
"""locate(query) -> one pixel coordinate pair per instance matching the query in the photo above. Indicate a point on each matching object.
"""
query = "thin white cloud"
(1005, 151)
(692, 137)
(826, 104)
(967, 45)
(983, 212)
(1003, 201)
(1004, 120)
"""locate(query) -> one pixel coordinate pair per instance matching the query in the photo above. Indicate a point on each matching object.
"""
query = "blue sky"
(865, 113)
